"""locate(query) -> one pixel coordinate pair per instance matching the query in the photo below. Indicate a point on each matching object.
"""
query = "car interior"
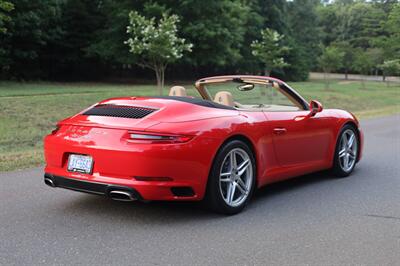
(177, 91)
(226, 98)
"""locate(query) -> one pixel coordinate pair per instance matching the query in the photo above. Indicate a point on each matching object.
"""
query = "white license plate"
(80, 163)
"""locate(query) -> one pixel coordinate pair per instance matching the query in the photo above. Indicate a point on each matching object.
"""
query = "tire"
(229, 189)
(340, 167)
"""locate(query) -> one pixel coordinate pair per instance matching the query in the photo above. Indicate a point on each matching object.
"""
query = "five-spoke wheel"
(232, 178)
(346, 151)
(236, 177)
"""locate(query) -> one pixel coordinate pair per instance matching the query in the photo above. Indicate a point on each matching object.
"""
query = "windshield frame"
(293, 95)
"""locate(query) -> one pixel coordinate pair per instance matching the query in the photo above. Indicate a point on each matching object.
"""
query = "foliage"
(348, 52)
(216, 28)
(391, 67)
(363, 63)
(269, 50)
(304, 29)
(84, 39)
(362, 24)
(34, 24)
(108, 44)
(157, 44)
(5, 8)
(391, 42)
(330, 60)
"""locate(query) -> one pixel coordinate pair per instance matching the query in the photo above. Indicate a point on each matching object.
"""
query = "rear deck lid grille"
(124, 111)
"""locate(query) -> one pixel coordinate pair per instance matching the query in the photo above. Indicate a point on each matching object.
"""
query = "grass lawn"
(28, 111)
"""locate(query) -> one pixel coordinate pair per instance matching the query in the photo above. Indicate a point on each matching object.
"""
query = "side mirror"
(315, 107)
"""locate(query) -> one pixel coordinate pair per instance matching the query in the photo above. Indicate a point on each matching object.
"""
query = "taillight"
(141, 137)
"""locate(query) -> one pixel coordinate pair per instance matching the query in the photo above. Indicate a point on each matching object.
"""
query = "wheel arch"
(355, 126)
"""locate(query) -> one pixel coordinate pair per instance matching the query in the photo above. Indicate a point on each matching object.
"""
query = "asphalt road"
(314, 219)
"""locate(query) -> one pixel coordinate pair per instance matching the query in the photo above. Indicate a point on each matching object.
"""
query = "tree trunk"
(267, 72)
(160, 74)
(326, 80)
(346, 74)
(363, 82)
(162, 79)
(157, 70)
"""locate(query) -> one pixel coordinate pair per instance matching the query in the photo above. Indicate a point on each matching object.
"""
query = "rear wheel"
(346, 152)
(232, 178)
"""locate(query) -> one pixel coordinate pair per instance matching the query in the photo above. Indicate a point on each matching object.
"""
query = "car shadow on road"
(175, 212)
(288, 185)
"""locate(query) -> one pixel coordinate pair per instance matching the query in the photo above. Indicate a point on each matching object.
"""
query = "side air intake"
(119, 111)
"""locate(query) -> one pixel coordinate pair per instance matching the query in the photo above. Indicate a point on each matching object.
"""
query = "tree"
(80, 22)
(34, 24)
(330, 60)
(304, 29)
(269, 50)
(217, 29)
(5, 8)
(361, 24)
(363, 64)
(390, 67)
(328, 22)
(157, 44)
(391, 42)
(108, 44)
(376, 57)
(348, 52)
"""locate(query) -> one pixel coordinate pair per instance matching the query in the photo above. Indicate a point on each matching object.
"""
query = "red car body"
(285, 144)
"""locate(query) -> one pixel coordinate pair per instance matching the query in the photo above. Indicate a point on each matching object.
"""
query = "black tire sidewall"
(213, 195)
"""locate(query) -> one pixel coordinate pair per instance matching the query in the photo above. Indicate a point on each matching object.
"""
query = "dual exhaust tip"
(49, 182)
(121, 195)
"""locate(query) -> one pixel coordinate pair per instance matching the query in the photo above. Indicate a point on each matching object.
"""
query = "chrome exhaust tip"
(121, 195)
(49, 182)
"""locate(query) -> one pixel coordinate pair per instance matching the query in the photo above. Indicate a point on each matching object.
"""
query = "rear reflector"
(152, 178)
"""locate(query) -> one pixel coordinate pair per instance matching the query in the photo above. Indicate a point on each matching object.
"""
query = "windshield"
(263, 96)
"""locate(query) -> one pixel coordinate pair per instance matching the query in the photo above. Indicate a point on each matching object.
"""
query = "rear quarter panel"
(215, 132)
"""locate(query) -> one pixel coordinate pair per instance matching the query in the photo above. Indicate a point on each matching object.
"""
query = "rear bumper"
(88, 187)
(139, 191)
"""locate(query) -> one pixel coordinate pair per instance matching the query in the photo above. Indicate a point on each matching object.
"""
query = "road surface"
(314, 220)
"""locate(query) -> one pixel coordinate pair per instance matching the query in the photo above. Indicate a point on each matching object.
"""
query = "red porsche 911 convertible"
(243, 133)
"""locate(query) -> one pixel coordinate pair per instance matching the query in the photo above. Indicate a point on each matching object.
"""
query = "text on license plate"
(80, 163)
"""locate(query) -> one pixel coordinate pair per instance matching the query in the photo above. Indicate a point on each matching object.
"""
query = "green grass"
(28, 111)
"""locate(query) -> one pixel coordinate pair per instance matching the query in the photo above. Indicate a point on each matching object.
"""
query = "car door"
(300, 140)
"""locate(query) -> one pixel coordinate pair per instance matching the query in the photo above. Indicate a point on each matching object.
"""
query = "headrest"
(225, 98)
(177, 91)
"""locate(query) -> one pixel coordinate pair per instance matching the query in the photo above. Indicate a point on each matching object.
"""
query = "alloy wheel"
(348, 148)
(236, 177)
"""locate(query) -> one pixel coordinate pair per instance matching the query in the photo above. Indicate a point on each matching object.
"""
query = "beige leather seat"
(177, 91)
(225, 98)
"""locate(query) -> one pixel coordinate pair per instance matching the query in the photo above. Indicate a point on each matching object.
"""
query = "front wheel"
(346, 152)
(232, 178)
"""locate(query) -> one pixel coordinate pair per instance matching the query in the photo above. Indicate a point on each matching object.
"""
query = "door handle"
(280, 130)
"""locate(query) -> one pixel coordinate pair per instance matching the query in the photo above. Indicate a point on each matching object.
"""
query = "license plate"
(80, 163)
